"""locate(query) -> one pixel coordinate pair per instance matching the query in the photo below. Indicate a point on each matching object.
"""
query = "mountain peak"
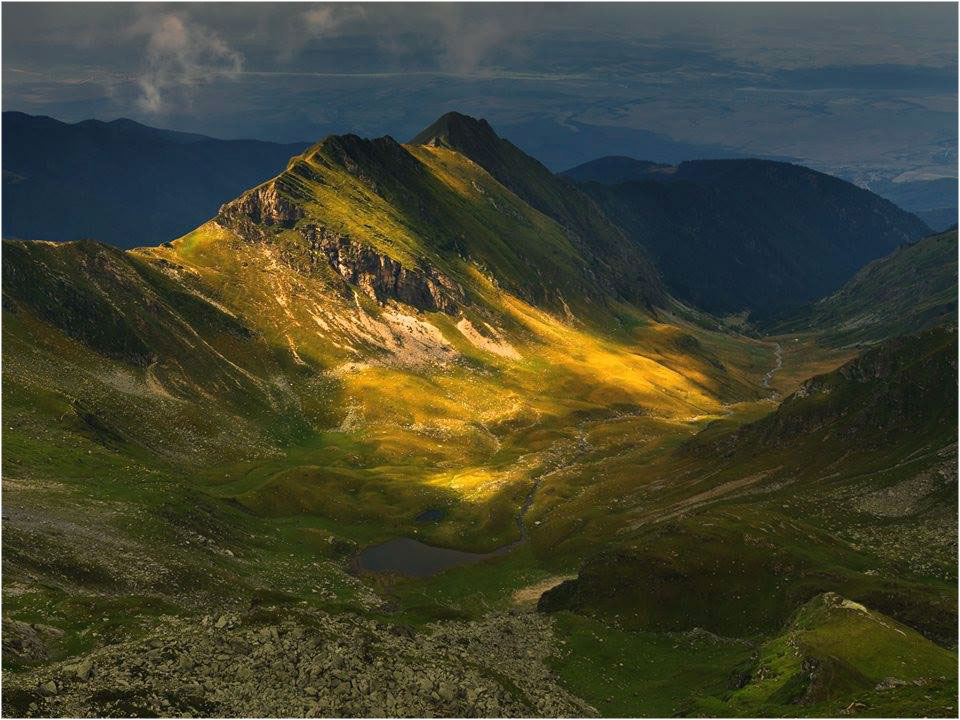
(455, 130)
(632, 274)
(379, 158)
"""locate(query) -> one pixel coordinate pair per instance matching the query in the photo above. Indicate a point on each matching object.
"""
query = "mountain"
(624, 264)
(329, 451)
(380, 329)
(121, 182)
(911, 289)
(755, 235)
(625, 236)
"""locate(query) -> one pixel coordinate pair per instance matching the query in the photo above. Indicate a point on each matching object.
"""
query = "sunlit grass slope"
(298, 387)
(464, 407)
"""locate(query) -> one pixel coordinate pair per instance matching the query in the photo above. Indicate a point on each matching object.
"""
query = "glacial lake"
(414, 558)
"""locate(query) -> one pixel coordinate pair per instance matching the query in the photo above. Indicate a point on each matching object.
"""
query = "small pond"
(414, 558)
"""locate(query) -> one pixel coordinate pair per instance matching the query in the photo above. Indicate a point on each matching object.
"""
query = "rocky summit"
(425, 430)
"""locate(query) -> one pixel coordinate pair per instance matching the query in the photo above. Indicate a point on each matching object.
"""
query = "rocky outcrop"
(311, 665)
(381, 277)
(28, 642)
(256, 214)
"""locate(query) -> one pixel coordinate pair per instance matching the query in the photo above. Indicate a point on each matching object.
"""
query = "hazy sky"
(870, 88)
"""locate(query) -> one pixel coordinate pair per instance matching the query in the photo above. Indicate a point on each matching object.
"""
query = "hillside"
(848, 487)
(618, 169)
(873, 412)
(622, 263)
(121, 182)
(391, 304)
(911, 289)
(756, 235)
(326, 453)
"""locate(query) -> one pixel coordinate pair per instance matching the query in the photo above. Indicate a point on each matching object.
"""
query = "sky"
(865, 90)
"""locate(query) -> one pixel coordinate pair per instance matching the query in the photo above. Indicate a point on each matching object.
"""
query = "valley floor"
(134, 587)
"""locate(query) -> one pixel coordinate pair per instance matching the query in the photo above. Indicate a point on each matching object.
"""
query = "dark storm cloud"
(704, 73)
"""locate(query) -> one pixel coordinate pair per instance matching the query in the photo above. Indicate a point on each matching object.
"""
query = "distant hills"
(756, 235)
(933, 201)
(562, 144)
(121, 182)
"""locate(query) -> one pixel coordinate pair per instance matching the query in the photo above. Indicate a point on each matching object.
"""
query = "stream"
(778, 353)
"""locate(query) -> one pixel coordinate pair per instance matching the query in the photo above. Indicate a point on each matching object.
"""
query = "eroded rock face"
(259, 214)
(381, 277)
(255, 214)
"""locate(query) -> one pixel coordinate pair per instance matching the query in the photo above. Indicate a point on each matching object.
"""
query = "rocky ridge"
(258, 215)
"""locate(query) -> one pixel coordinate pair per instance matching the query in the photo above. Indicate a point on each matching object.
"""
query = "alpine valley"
(425, 429)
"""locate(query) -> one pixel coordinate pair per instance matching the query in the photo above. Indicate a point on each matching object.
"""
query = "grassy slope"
(833, 657)
(838, 657)
(882, 414)
(849, 487)
(913, 288)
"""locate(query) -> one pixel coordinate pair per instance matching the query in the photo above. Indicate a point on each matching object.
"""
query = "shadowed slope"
(757, 235)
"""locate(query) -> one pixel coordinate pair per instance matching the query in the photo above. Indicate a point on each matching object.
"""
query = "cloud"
(180, 54)
(468, 41)
(324, 20)
(295, 29)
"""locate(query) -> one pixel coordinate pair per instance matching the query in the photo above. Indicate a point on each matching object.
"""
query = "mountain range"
(410, 429)
(178, 180)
